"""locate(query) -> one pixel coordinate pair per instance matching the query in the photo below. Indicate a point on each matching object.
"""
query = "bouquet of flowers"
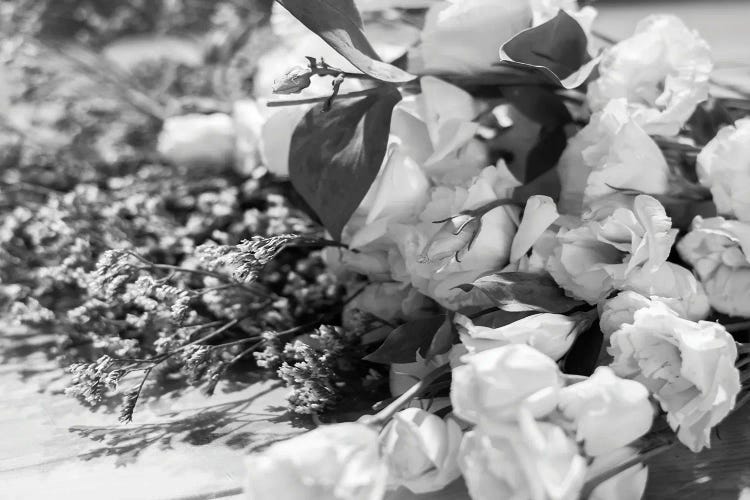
(520, 248)
(549, 233)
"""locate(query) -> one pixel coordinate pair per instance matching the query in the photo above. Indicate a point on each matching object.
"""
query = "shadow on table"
(235, 424)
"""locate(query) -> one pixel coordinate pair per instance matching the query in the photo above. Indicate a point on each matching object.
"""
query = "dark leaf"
(335, 156)
(707, 119)
(406, 340)
(537, 137)
(584, 353)
(539, 104)
(516, 291)
(338, 23)
(500, 318)
(557, 49)
(443, 339)
(543, 156)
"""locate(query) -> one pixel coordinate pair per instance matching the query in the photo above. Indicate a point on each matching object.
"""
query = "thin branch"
(386, 413)
(311, 100)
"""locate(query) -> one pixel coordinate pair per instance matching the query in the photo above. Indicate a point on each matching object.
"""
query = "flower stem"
(311, 100)
(595, 481)
(739, 327)
(386, 413)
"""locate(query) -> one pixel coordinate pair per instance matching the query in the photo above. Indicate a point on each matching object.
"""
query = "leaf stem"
(386, 413)
(312, 100)
(739, 327)
(595, 481)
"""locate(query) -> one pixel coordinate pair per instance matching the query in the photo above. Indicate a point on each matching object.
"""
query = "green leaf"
(546, 108)
(539, 104)
(443, 339)
(557, 49)
(500, 318)
(335, 156)
(338, 23)
(517, 291)
(544, 155)
(584, 353)
(707, 119)
(406, 340)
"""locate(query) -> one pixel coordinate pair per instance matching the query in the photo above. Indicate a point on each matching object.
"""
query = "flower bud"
(454, 237)
(458, 233)
(293, 81)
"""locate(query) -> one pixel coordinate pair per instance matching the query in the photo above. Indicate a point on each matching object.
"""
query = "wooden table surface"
(187, 446)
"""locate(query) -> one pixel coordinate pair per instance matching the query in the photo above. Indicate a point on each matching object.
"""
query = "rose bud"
(454, 237)
(457, 234)
(293, 81)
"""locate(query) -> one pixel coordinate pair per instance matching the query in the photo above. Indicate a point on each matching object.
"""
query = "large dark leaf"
(516, 291)
(543, 156)
(707, 119)
(335, 156)
(500, 318)
(584, 353)
(547, 109)
(406, 340)
(557, 49)
(444, 338)
(539, 104)
(338, 23)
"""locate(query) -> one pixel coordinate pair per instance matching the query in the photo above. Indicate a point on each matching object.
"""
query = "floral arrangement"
(515, 237)
(589, 279)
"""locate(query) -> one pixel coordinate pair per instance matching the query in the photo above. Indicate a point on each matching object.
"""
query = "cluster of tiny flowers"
(316, 369)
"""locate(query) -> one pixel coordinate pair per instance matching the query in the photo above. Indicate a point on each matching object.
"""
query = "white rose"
(431, 136)
(611, 152)
(421, 450)
(604, 402)
(618, 236)
(340, 461)
(672, 285)
(248, 121)
(662, 71)
(526, 251)
(629, 484)
(492, 385)
(722, 167)
(619, 310)
(197, 140)
(399, 192)
(534, 460)
(551, 334)
(688, 366)
(718, 251)
(276, 137)
(372, 262)
(464, 36)
(449, 115)
(544, 10)
(427, 263)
